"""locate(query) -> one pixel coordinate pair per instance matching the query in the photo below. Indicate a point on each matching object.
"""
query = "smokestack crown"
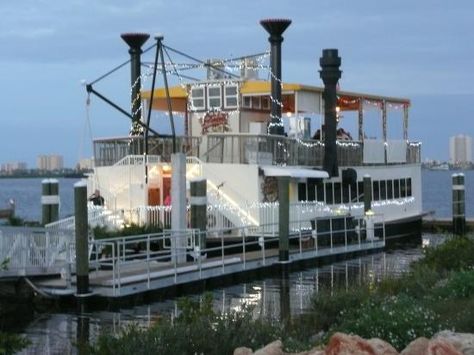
(135, 40)
(275, 27)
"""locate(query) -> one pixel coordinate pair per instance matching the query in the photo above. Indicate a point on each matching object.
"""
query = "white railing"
(139, 160)
(33, 251)
(97, 216)
(151, 254)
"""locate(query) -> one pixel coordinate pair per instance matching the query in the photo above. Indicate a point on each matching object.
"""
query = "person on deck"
(97, 199)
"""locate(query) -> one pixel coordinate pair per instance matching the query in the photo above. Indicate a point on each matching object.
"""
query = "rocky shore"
(442, 343)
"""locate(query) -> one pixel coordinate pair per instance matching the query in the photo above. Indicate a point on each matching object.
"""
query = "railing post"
(82, 250)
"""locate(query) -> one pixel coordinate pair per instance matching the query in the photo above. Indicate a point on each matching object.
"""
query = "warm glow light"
(166, 168)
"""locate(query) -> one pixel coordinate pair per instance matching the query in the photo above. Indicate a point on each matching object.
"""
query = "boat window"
(353, 192)
(345, 193)
(409, 187)
(360, 191)
(256, 102)
(403, 188)
(214, 96)
(247, 102)
(311, 191)
(396, 188)
(329, 197)
(302, 191)
(320, 192)
(230, 96)
(383, 190)
(337, 192)
(376, 189)
(389, 189)
(197, 97)
(265, 102)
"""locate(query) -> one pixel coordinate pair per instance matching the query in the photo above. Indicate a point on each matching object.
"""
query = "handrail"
(126, 253)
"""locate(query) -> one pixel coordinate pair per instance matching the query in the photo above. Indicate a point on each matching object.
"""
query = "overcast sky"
(419, 49)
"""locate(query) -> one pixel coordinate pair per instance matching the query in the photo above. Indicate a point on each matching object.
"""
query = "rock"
(243, 351)
(382, 347)
(463, 342)
(274, 348)
(416, 347)
(423, 346)
(343, 344)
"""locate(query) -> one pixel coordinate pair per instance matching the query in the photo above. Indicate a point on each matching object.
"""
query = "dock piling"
(178, 211)
(198, 201)
(459, 206)
(283, 217)
(82, 244)
(50, 200)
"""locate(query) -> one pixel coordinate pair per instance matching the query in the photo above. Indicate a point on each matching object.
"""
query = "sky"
(419, 49)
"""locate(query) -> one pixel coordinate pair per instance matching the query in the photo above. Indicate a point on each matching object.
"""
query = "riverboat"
(242, 133)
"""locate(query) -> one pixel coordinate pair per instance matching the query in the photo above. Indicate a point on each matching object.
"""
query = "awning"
(294, 172)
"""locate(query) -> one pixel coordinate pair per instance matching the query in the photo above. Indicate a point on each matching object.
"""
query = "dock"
(127, 273)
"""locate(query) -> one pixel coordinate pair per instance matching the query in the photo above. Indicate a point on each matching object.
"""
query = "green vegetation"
(102, 232)
(437, 293)
(197, 330)
(11, 343)
(4, 264)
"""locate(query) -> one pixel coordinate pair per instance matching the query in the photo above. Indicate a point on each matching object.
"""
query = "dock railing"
(144, 259)
(33, 251)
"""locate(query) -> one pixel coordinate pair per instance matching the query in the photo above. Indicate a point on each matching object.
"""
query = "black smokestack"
(135, 42)
(275, 27)
(330, 74)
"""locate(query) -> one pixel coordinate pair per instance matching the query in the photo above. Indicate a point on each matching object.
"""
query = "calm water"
(55, 332)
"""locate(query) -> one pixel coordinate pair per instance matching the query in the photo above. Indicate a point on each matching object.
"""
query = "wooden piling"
(284, 217)
(459, 205)
(82, 245)
(198, 201)
(50, 201)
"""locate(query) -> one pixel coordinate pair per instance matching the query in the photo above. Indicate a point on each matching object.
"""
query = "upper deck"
(259, 149)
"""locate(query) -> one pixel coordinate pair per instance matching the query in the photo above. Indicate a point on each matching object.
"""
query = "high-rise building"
(49, 162)
(460, 149)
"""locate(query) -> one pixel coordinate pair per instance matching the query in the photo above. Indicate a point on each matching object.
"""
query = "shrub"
(457, 253)
(197, 330)
(396, 319)
(11, 343)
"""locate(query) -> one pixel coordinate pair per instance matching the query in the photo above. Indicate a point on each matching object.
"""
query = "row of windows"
(256, 102)
(214, 97)
(336, 192)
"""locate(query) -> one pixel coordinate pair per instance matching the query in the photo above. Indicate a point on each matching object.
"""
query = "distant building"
(11, 167)
(86, 164)
(50, 162)
(460, 149)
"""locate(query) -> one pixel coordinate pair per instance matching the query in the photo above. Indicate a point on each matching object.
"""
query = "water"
(27, 196)
(55, 332)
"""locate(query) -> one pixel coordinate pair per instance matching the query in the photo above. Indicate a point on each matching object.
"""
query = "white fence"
(34, 251)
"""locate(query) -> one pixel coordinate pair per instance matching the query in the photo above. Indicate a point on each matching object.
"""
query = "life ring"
(211, 220)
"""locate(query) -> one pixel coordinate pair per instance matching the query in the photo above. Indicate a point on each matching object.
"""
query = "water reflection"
(276, 298)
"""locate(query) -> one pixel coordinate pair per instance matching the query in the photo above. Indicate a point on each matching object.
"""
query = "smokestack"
(135, 42)
(330, 74)
(275, 28)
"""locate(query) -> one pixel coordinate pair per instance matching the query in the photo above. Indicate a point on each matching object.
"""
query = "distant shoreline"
(46, 176)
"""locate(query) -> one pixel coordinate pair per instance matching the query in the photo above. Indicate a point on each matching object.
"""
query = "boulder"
(463, 342)
(423, 346)
(382, 347)
(343, 344)
(275, 348)
(243, 351)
